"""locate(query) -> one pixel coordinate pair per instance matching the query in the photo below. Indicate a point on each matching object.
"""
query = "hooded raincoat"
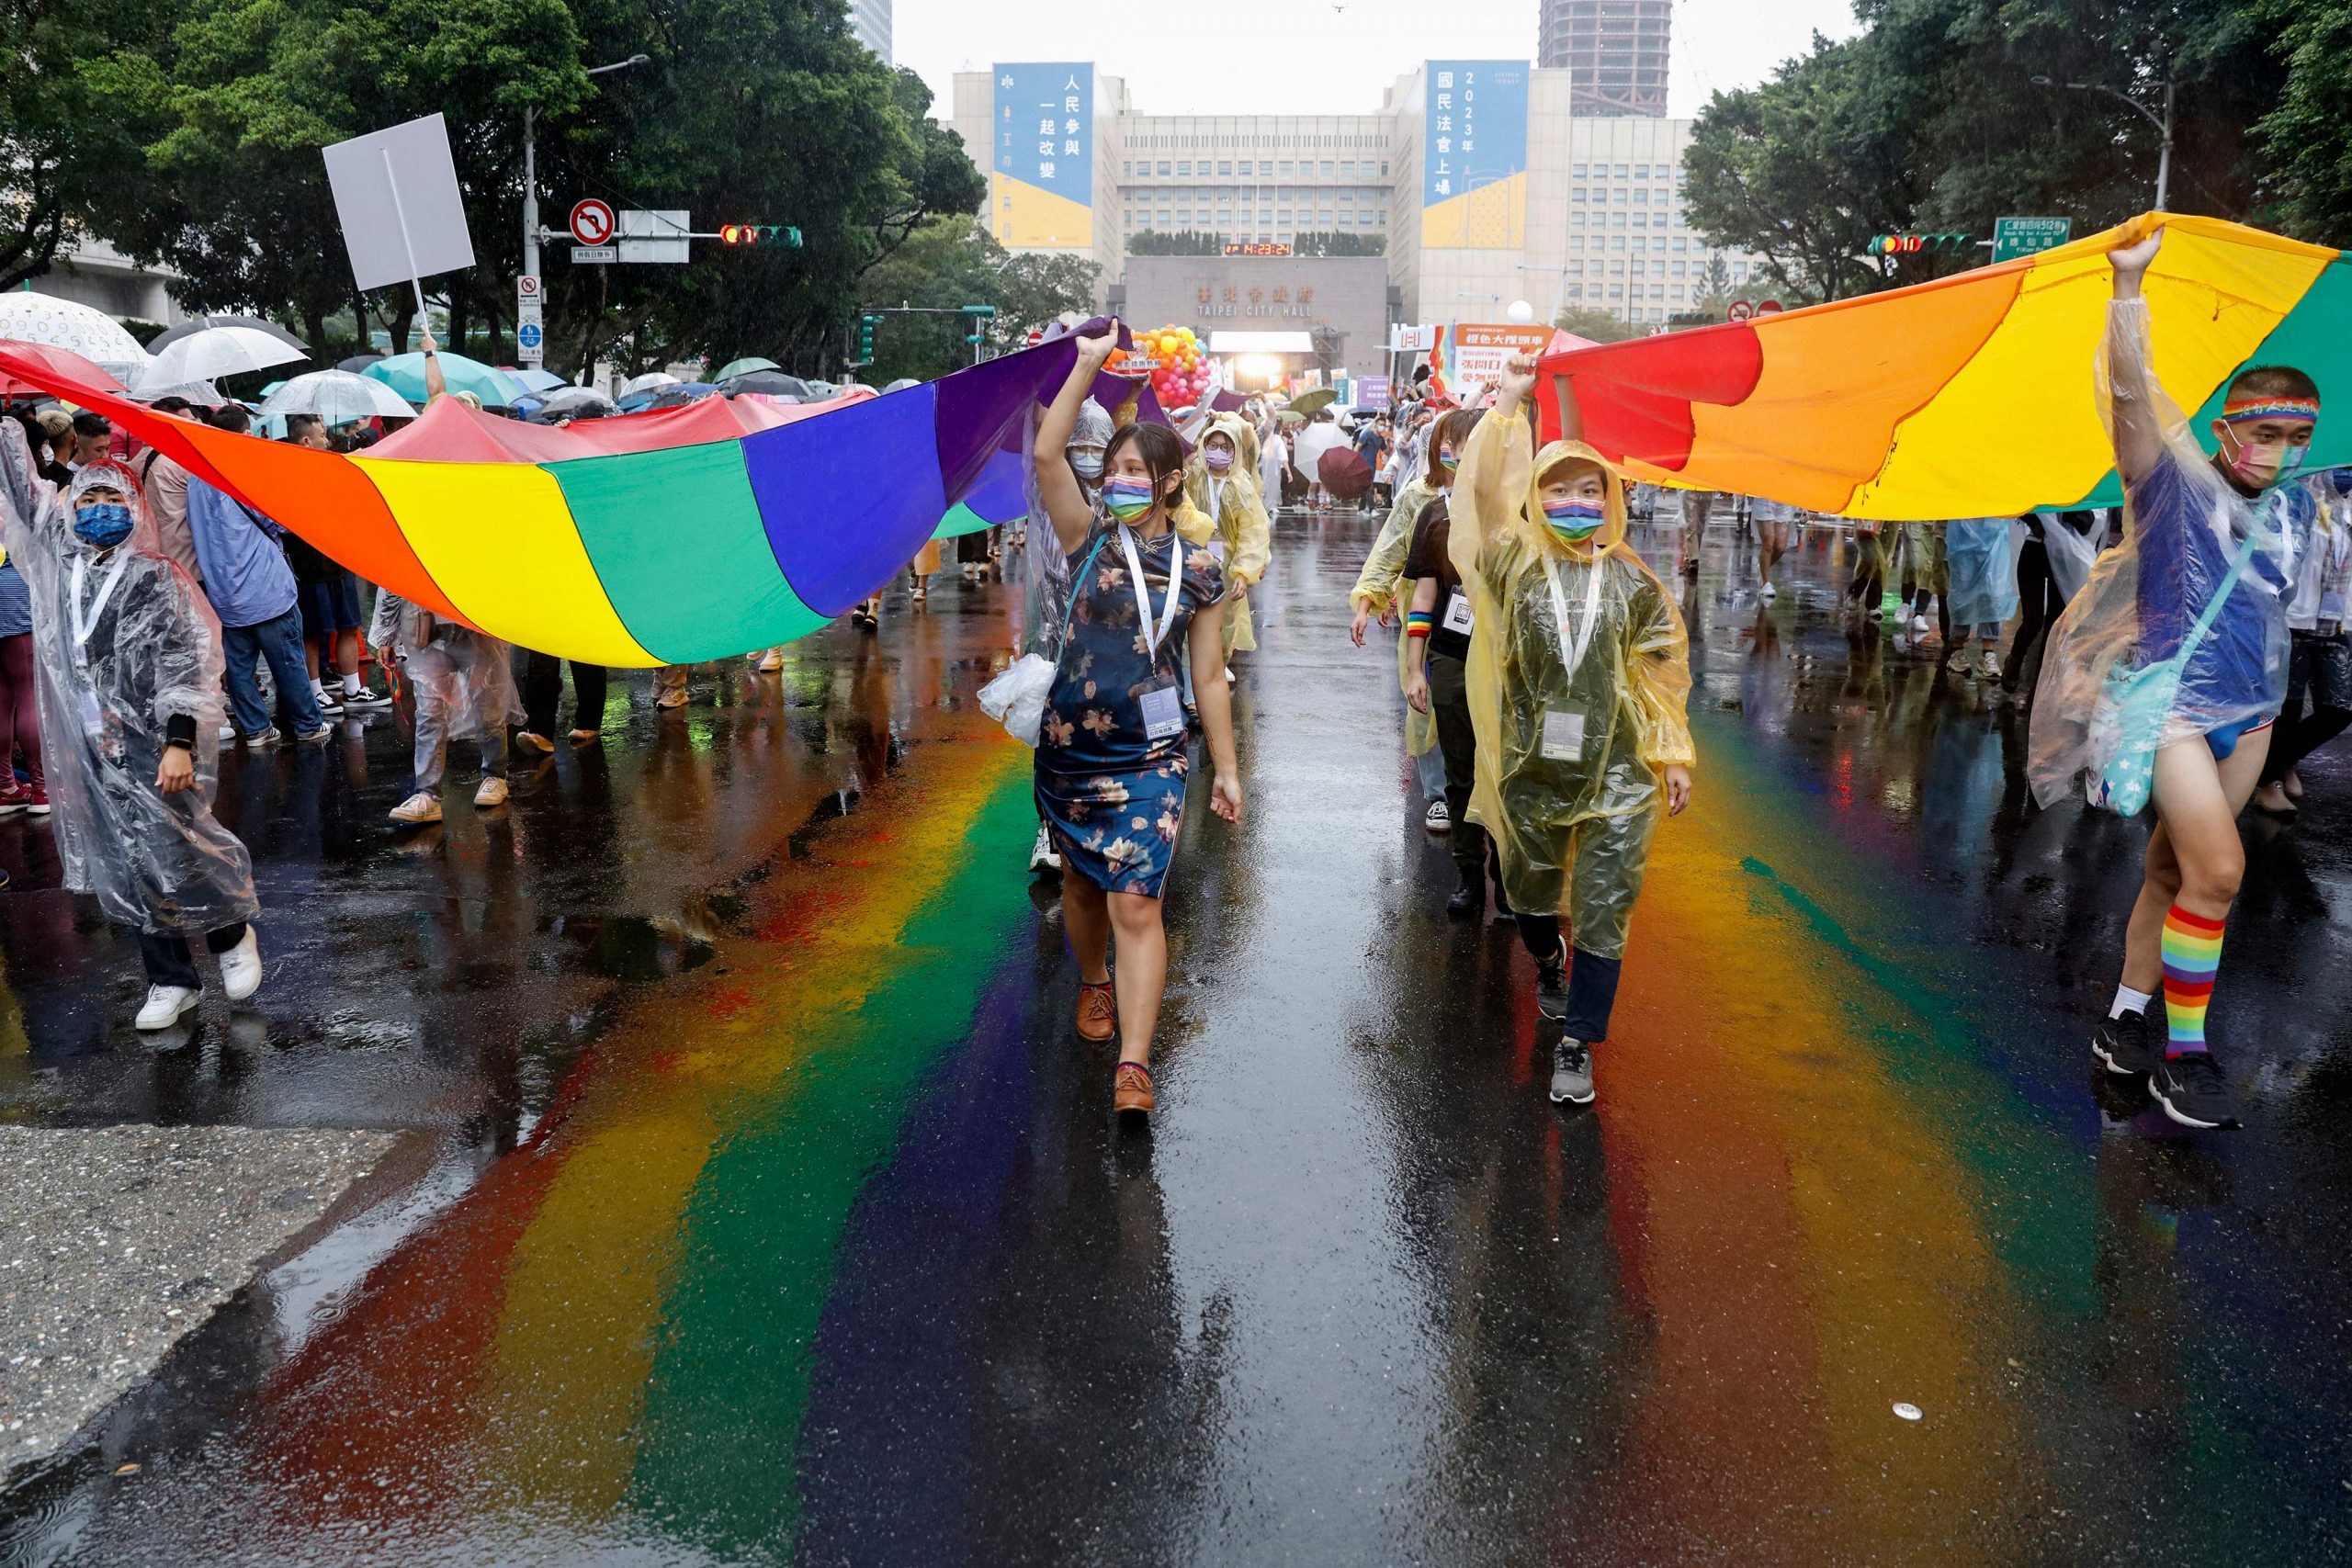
(1580, 674)
(123, 646)
(2184, 526)
(1238, 512)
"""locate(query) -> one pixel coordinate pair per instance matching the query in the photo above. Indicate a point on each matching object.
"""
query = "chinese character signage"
(1475, 352)
(1041, 169)
(1474, 154)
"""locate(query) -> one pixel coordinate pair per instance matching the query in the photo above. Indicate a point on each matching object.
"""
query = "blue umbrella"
(532, 379)
(404, 374)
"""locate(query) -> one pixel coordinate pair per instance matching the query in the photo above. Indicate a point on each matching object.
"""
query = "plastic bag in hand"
(1017, 697)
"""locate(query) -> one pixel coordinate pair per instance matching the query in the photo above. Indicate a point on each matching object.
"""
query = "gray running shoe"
(1571, 1073)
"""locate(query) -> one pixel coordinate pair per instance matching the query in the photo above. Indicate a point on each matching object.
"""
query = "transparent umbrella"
(217, 351)
(204, 323)
(336, 396)
(744, 366)
(78, 329)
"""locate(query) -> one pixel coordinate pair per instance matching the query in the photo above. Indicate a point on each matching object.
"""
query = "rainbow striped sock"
(2192, 950)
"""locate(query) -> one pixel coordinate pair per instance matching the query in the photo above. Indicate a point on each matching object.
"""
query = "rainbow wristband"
(1420, 623)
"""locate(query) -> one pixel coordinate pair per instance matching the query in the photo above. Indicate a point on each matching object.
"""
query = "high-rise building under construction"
(1614, 52)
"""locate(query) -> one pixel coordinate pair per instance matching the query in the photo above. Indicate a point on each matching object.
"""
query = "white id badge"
(1459, 616)
(1216, 551)
(1163, 712)
(1563, 735)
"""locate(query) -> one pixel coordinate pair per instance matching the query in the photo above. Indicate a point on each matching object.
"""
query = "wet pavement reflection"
(759, 1203)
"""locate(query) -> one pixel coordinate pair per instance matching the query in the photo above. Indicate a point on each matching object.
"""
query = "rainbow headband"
(2248, 410)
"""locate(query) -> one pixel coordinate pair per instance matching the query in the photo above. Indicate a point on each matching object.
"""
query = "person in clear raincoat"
(2164, 675)
(464, 686)
(1220, 482)
(1580, 673)
(1980, 589)
(128, 669)
(1381, 592)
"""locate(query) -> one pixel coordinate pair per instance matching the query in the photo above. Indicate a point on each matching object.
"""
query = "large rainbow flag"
(1972, 395)
(671, 537)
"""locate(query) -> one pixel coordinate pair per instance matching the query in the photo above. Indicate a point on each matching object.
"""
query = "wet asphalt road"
(759, 1204)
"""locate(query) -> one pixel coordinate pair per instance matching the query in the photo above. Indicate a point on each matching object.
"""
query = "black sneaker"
(2127, 1044)
(1552, 986)
(366, 701)
(2192, 1091)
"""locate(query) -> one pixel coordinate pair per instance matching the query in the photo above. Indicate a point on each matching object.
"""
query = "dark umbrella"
(684, 392)
(202, 324)
(360, 361)
(1344, 474)
(775, 383)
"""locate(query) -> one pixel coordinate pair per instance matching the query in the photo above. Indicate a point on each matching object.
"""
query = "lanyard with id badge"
(1163, 706)
(1459, 616)
(1563, 727)
(82, 625)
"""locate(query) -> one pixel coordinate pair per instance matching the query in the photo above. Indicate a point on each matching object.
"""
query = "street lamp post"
(531, 170)
(2163, 123)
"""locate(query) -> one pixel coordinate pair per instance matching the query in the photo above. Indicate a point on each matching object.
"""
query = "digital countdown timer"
(1260, 250)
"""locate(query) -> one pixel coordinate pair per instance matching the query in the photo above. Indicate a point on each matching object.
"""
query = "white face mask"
(1088, 463)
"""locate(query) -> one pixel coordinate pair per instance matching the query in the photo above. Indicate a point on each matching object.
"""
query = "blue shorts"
(331, 607)
(2225, 739)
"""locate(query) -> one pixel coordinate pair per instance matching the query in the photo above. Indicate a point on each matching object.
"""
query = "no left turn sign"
(591, 223)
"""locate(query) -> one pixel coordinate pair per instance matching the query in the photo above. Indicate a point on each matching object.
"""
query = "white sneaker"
(422, 807)
(1989, 666)
(165, 1004)
(240, 967)
(1918, 625)
(1437, 818)
(228, 735)
(491, 793)
(1767, 592)
(1045, 857)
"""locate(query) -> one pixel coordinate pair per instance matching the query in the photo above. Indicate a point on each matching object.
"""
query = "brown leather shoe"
(1098, 1012)
(1132, 1091)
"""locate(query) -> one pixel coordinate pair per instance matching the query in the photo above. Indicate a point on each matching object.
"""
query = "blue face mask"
(104, 525)
(1575, 520)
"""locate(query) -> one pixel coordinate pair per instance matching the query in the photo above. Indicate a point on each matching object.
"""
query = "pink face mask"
(1218, 459)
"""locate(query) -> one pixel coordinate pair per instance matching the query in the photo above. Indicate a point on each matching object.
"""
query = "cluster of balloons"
(1182, 376)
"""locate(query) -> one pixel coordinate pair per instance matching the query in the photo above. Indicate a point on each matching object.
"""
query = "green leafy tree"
(58, 146)
(1176, 242)
(1592, 321)
(954, 261)
(1337, 242)
(2308, 135)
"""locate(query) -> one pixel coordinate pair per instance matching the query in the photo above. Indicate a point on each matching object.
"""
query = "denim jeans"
(279, 641)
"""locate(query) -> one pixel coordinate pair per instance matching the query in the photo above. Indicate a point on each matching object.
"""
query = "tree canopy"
(748, 112)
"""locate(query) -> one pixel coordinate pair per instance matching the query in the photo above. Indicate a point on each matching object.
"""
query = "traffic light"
(1913, 244)
(979, 309)
(866, 325)
(772, 234)
(977, 314)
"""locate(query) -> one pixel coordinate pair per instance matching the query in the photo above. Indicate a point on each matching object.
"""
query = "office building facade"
(1477, 180)
(870, 20)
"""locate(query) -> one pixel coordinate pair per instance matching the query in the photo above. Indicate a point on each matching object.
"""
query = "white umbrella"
(63, 323)
(218, 351)
(203, 394)
(652, 378)
(336, 396)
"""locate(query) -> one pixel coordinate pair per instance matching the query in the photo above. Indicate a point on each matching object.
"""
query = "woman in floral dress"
(1111, 758)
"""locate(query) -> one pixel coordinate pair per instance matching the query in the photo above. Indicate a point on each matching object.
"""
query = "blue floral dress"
(1113, 796)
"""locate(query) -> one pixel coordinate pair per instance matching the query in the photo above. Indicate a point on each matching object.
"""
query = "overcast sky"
(1315, 56)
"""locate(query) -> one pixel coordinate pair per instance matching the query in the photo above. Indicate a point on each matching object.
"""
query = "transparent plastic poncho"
(465, 675)
(122, 642)
(1239, 519)
(1570, 755)
(2183, 527)
(1979, 570)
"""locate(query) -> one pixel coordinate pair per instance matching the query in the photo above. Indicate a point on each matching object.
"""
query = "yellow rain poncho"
(1575, 722)
(1240, 519)
(1378, 583)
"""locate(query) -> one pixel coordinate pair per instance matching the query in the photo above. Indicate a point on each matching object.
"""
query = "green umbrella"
(738, 368)
(1310, 403)
(404, 374)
